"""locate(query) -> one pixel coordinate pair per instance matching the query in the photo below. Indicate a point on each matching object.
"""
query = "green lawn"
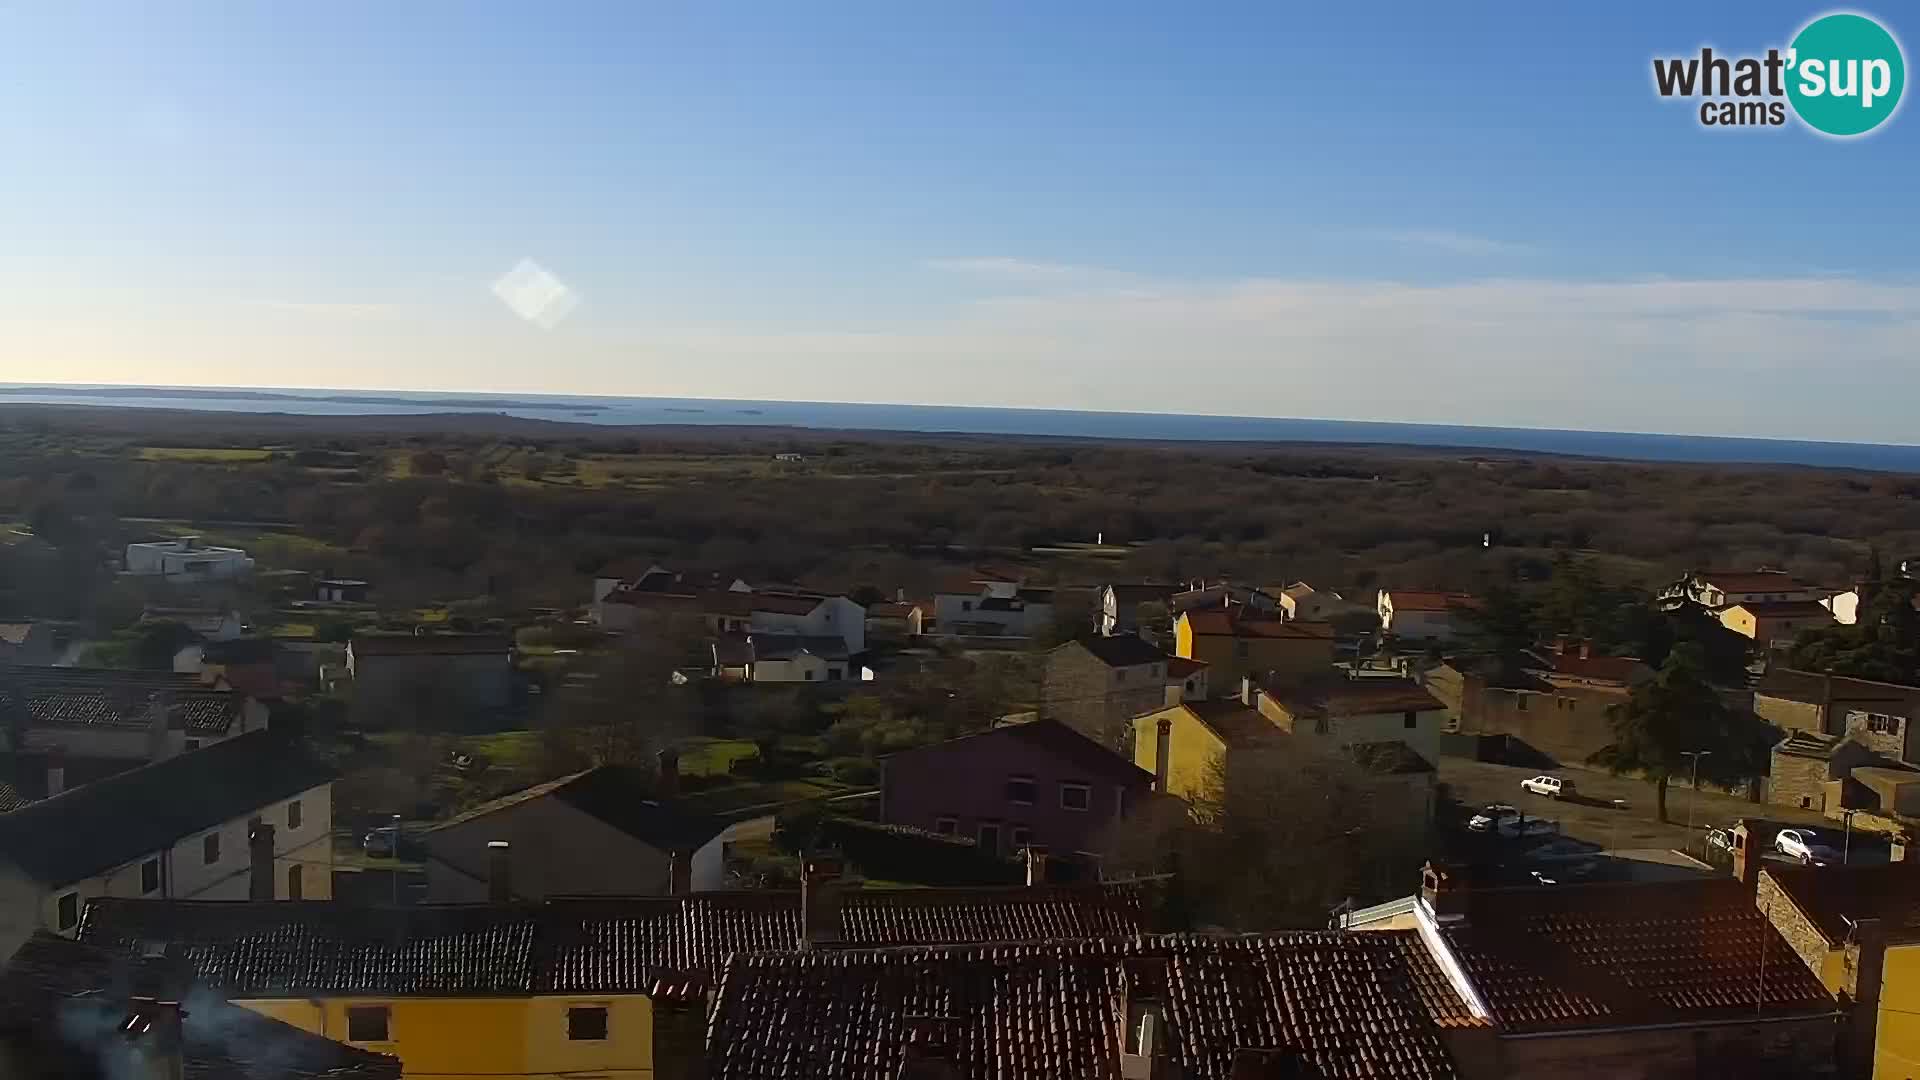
(206, 455)
(713, 757)
(505, 749)
(736, 797)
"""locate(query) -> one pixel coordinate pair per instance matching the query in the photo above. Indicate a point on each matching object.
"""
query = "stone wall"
(1808, 943)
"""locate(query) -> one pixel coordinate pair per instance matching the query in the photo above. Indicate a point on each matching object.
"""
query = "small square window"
(149, 876)
(296, 882)
(966, 605)
(1075, 796)
(368, 1023)
(989, 837)
(1021, 790)
(1522, 706)
(1410, 720)
(69, 913)
(1021, 837)
(946, 826)
(587, 1023)
(1120, 676)
(295, 814)
(210, 848)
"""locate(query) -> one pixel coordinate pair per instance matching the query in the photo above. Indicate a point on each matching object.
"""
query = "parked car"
(1805, 845)
(1492, 816)
(1551, 786)
(1528, 828)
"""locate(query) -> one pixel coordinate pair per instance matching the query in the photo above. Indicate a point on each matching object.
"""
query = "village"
(704, 825)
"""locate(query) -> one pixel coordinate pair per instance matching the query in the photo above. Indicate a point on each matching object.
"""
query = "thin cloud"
(1455, 242)
(1029, 271)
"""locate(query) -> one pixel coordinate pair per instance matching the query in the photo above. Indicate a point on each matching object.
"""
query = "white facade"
(1421, 624)
(187, 559)
(800, 667)
(1845, 607)
(833, 616)
(184, 873)
(995, 609)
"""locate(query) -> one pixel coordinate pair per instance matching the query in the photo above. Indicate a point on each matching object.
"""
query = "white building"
(809, 617)
(176, 829)
(1424, 616)
(187, 559)
(1303, 602)
(991, 607)
(121, 715)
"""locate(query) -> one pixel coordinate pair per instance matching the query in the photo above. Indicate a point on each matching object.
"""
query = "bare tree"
(628, 705)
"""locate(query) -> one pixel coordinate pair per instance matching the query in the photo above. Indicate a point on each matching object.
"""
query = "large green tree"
(1675, 714)
(1882, 643)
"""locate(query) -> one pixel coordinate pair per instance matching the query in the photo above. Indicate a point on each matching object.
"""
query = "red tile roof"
(1741, 581)
(1235, 723)
(1349, 1005)
(1621, 955)
(1785, 609)
(1614, 669)
(1421, 600)
(1179, 667)
(1048, 736)
(891, 610)
(1341, 696)
(1229, 623)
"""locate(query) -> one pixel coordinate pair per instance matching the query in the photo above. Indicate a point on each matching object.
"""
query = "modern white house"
(809, 617)
(1424, 616)
(187, 559)
(186, 828)
(991, 607)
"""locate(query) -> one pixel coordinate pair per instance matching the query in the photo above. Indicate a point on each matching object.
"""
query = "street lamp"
(1696, 755)
(1846, 842)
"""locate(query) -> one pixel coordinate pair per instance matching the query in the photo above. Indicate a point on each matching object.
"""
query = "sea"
(1153, 427)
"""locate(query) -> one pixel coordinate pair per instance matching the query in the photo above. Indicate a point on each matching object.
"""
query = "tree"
(625, 707)
(1882, 643)
(1502, 629)
(1676, 713)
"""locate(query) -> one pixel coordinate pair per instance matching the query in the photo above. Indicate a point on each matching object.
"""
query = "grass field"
(713, 757)
(205, 455)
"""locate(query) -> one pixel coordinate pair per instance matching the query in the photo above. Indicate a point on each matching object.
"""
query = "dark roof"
(1230, 623)
(621, 796)
(1784, 609)
(732, 650)
(788, 646)
(1179, 667)
(1834, 897)
(1426, 600)
(61, 1001)
(1348, 1004)
(109, 823)
(428, 644)
(1570, 664)
(1739, 581)
(783, 603)
(23, 777)
(890, 609)
(1144, 593)
(1811, 687)
(1338, 695)
(126, 700)
(1390, 757)
(1235, 723)
(1053, 737)
(570, 945)
(1120, 650)
(1589, 956)
(239, 651)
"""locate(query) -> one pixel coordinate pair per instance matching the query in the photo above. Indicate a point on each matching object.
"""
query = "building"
(1424, 615)
(1559, 707)
(1186, 744)
(1857, 928)
(1188, 680)
(1033, 785)
(130, 716)
(187, 827)
(1097, 684)
(991, 606)
(1235, 643)
(1809, 770)
(1303, 602)
(1716, 589)
(565, 988)
(601, 832)
(1121, 605)
(187, 560)
(793, 658)
(1299, 1004)
(896, 621)
(1640, 980)
(397, 674)
(1342, 711)
(1883, 714)
(30, 643)
(1774, 620)
(737, 610)
(341, 590)
(808, 616)
(210, 624)
(78, 1012)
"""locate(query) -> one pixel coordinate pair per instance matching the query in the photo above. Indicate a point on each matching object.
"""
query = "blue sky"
(1446, 213)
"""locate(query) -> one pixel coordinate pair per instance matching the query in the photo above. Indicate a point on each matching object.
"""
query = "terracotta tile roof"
(109, 823)
(892, 610)
(1179, 667)
(1612, 669)
(1235, 723)
(569, 945)
(1230, 623)
(1785, 609)
(782, 603)
(1621, 955)
(1832, 897)
(1118, 650)
(1340, 696)
(58, 998)
(789, 646)
(1423, 600)
(1144, 593)
(1811, 687)
(1051, 737)
(428, 645)
(123, 700)
(1348, 1004)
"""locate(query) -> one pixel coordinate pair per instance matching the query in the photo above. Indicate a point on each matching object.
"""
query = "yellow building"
(1236, 643)
(1185, 745)
(1858, 929)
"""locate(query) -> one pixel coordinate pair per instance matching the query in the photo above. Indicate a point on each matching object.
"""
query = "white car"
(1551, 786)
(1805, 845)
(1492, 816)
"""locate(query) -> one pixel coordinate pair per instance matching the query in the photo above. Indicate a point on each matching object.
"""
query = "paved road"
(1591, 818)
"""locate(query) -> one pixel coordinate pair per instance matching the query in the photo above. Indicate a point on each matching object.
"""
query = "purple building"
(1040, 785)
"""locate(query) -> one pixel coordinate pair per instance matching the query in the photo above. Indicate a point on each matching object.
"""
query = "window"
(367, 1023)
(1120, 676)
(193, 744)
(587, 1023)
(808, 675)
(990, 838)
(1882, 724)
(946, 826)
(69, 910)
(210, 848)
(1522, 702)
(1021, 836)
(1410, 720)
(296, 884)
(1075, 796)
(1021, 790)
(966, 605)
(1240, 650)
(149, 876)
(294, 814)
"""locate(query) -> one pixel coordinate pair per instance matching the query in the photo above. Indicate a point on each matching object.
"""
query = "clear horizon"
(1485, 219)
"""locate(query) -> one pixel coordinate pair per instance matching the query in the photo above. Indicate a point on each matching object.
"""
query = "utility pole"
(1694, 794)
(1846, 842)
(393, 875)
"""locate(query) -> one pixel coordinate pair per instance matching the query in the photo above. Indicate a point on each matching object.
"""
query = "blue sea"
(1157, 427)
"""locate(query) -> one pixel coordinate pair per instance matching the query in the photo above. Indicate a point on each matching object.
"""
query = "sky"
(1475, 214)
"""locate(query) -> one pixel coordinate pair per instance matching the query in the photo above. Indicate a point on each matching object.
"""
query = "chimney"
(499, 871)
(667, 773)
(1443, 891)
(260, 862)
(1246, 691)
(930, 1049)
(1586, 650)
(1036, 867)
(679, 1027)
(679, 873)
(56, 772)
(899, 596)
(1143, 1018)
(1746, 859)
(153, 1040)
(1162, 749)
(819, 903)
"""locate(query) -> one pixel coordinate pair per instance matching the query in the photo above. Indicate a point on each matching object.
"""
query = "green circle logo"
(1845, 74)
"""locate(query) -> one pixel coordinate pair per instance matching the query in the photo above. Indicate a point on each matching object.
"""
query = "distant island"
(218, 394)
